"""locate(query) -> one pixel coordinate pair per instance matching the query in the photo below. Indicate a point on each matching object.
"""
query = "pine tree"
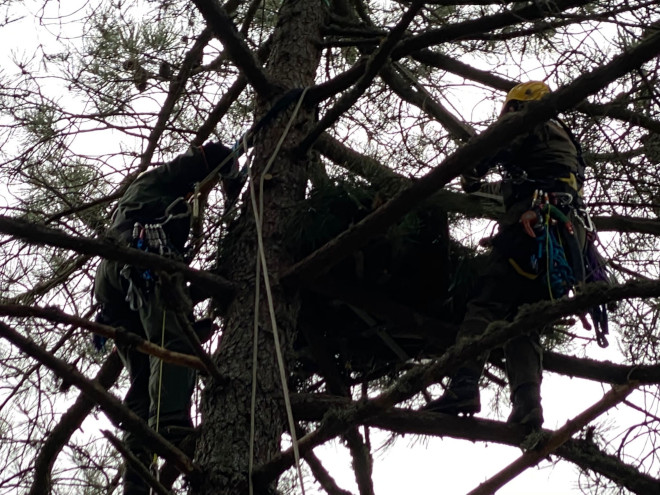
(351, 241)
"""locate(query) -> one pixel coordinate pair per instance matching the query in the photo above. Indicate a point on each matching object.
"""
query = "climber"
(154, 215)
(543, 175)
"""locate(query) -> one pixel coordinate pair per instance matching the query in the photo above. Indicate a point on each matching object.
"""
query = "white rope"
(258, 214)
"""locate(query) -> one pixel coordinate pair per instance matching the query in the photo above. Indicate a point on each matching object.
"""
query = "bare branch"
(38, 234)
(556, 439)
(118, 334)
(119, 414)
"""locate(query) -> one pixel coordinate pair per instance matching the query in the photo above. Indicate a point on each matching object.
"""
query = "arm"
(178, 177)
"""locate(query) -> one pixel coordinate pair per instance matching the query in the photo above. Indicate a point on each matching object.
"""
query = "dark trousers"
(501, 290)
(160, 393)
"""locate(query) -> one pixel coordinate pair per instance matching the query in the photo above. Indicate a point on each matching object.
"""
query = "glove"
(216, 153)
(529, 220)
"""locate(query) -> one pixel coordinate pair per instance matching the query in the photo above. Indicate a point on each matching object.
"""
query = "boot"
(527, 410)
(462, 396)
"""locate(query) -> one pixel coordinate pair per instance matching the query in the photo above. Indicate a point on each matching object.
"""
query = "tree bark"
(224, 446)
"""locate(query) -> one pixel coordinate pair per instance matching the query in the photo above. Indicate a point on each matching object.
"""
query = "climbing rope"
(154, 461)
(262, 266)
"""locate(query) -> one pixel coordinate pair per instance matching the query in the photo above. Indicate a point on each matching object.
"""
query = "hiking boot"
(527, 410)
(462, 397)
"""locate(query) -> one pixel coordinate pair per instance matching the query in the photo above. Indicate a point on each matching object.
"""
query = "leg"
(115, 312)
(524, 369)
(170, 385)
(491, 304)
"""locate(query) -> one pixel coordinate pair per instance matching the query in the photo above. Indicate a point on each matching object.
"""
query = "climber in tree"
(153, 215)
(536, 255)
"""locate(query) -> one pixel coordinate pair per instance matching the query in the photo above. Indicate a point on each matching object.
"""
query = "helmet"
(533, 90)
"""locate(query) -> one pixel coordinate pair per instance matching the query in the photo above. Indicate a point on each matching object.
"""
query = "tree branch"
(177, 85)
(362, 460)
(581, 452)
(556, 439)
(136, 464)
(238, 51)
(33, 233)
(120, 335)
(441, 61)
(371, 69)
(620, 223)
(529, 318)
(389, 182)
(118, 413)
(601, 371)
(68, 424)
(463, 30)
(425, 102)
(322, 476)
(478, 148)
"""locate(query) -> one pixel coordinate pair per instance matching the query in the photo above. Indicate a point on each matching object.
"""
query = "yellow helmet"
(533, 90)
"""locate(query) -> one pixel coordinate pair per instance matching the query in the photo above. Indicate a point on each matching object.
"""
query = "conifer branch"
(70, 421)
(133, 461)
(117, 412)
(479, 26)
(373, 66)
(478, 148)
(554, 441)
(223, 28)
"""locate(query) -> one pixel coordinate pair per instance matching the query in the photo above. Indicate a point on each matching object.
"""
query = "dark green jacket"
(545, 159)
(546, 153)
(159, 194)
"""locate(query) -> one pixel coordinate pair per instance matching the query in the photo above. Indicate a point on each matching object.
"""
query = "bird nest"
(392, 301)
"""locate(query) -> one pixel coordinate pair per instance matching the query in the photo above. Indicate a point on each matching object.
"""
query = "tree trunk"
(223, 449)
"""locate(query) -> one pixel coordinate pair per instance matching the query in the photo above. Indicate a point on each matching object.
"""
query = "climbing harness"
(543, 222)
(152, 238)
(567, 265)
(148, 238)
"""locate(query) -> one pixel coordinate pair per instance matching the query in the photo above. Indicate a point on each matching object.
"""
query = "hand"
(528, 220)
(215, 154)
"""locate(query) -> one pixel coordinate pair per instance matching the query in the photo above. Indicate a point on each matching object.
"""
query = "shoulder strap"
(582, 165)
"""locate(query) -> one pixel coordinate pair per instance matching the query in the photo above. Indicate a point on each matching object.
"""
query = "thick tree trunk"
(223, 450)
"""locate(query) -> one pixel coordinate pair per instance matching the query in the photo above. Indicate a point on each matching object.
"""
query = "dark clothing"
(152, 198)
(160, 393)
(546, 159)
(546, 154)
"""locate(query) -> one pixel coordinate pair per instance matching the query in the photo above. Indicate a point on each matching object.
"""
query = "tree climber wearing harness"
(536, 255)
(154, 215)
